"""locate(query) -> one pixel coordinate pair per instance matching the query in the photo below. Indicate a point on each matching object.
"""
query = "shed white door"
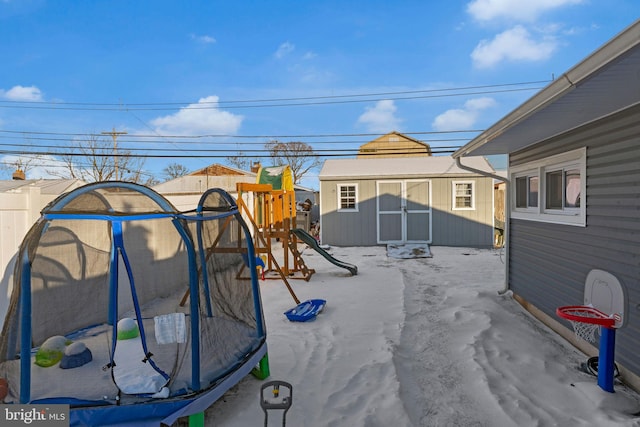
(404, 211)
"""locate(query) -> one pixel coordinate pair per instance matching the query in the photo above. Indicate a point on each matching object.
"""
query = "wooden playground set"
(269, 206)
(273, 217)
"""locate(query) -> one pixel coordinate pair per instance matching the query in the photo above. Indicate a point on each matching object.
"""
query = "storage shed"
(573, 192)
(373, 201)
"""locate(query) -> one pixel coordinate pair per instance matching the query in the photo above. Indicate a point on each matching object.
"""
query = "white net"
(583, 330)
(586, 331)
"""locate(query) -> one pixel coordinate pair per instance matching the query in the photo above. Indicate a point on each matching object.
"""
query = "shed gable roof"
(418, 167)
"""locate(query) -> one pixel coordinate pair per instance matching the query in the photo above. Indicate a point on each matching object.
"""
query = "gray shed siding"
(348, 228)
(548, 263)
(472, 228)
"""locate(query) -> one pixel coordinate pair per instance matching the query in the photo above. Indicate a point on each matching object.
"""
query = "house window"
(521, 192)
(526, 191)
(348, 197)
(463, 195)
(554, 190)
(572, 188)
(563, 189)
(532, 189)
(558, 182)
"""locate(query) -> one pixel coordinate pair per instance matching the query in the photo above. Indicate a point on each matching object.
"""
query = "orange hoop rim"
(594, 317)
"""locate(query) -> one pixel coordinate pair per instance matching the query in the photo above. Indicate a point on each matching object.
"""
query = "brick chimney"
(18, 175)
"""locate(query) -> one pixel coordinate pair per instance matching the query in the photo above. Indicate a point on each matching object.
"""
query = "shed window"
(347, 197)
(463, 195)
(558, 182)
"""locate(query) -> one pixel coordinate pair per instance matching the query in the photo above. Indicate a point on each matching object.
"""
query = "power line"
(121, 104)
(262, 153)
(114, 135)
(199, 106)
(275, 102)
(239, 144)
(28, 134)
(109, 152)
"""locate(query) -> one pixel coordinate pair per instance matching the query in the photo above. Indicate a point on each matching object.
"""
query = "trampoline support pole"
(261, 371)
(196, 420)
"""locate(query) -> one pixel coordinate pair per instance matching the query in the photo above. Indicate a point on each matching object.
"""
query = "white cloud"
(462, 118)
(22, 93)
(203, 117)
(203, 39)
(478, 104)
(380, 118)
(284, 49)
(526, 11)
(515, 44)
(309, 55)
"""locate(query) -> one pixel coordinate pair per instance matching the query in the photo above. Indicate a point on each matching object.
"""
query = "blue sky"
(218, 75)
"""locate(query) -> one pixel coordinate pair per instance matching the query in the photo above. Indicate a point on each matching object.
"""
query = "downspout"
(507, 215)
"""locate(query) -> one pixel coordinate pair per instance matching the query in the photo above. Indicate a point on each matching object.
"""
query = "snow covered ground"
(419, 342)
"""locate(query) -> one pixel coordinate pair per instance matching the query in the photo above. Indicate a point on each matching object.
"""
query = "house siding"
(472, 228)
(548, 263)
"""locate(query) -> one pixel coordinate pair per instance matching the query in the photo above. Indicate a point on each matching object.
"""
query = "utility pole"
(114, 135)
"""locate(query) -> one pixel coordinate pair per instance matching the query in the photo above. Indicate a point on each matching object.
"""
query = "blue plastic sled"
(306, 310)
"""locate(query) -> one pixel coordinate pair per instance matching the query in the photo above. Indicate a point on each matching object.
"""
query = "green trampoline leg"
(262, 370)
(196, 420)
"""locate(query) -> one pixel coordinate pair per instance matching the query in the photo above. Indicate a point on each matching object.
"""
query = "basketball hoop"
(585, 320)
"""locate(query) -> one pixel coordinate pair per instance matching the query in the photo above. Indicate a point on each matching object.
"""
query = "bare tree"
(298, 155)
(93, 159)
(22, 162)
(242, 161)
(174, 170)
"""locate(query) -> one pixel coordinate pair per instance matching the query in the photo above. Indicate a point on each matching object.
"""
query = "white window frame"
(527, 174)
(577, 216)
(454, 195)
(339, 197)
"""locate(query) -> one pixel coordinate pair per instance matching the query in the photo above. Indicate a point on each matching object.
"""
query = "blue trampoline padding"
(306, 310)
(165, 411)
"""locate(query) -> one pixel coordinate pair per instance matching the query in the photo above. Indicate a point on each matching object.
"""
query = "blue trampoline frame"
(166, 410)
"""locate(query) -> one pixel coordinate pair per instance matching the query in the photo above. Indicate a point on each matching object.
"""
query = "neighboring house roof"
(418, 167)
(394, 144)
(47, 186)
(215, 175)
(603, 83)
(297, 187)
(217, 169)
